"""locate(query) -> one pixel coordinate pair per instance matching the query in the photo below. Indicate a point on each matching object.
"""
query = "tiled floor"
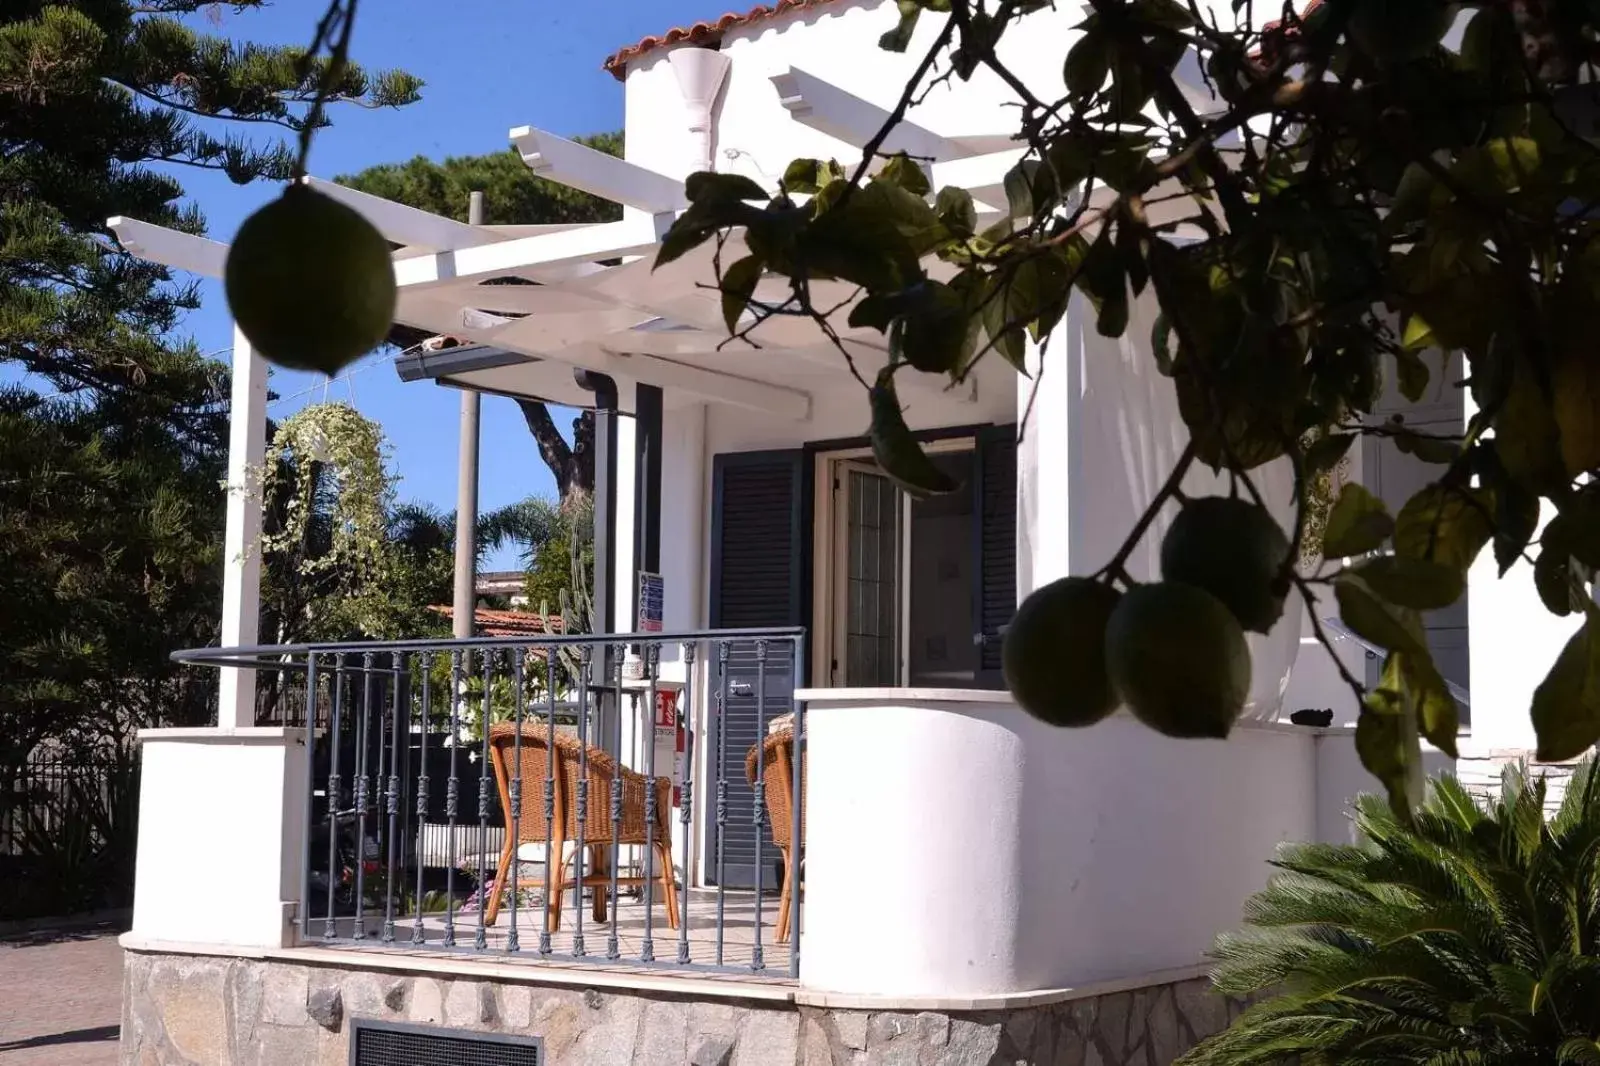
(738, 924)
(60, 999)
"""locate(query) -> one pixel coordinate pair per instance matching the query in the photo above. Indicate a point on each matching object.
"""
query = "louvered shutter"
(995, 507)
(757, 581)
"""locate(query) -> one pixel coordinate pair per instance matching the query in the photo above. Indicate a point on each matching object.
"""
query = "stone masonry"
(182, 1010)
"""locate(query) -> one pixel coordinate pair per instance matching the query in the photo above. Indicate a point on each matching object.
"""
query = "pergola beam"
(408, 225)
(605, 176)
(829, 109)
(174, 248)
(608, 240)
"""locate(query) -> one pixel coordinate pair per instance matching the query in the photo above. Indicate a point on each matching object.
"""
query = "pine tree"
(110, 470)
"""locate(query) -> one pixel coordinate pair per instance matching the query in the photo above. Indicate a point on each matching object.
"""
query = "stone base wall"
(183, 1010)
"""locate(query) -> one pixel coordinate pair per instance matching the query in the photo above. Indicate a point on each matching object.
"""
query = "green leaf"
(931, 331)
(807, 176)
(1553, 571)
(1429, 449)
(1438, 715)
(907, 173)
(897, 450)
(1393, 629)
(1389, 748)
(688, 231)
(956, 211)
(1018, 186)
(1411, 374)
(738, 286)
(1516, 519)
(1566, 705)
(1359, 523)
(897, 39)
(1088, 63)
(1448, 525)
(1420, 584)
(1417, 335)
(711, 187)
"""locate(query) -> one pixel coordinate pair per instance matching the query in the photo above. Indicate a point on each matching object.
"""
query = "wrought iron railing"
(461, 790)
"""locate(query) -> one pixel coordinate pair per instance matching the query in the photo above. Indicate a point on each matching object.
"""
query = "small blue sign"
(652, 599)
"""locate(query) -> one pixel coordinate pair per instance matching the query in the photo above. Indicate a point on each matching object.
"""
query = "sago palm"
(1471, 936)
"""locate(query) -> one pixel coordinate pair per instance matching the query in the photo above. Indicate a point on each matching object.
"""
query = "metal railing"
(435, 766)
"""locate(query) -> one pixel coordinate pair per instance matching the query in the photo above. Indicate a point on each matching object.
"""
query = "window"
(895, 577)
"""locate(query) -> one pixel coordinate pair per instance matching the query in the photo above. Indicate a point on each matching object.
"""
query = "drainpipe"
(701, 74)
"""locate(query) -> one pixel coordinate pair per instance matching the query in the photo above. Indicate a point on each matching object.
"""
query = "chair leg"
(555, 874)
(784, 897)
(599, 865)
(669, 888)
(492, 904)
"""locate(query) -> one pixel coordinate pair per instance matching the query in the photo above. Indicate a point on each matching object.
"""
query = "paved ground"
(60, 999)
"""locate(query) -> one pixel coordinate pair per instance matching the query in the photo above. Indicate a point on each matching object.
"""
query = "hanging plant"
(337, 460)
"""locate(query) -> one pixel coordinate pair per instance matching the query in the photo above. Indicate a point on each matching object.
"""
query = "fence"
(462, 789)
(67, 833)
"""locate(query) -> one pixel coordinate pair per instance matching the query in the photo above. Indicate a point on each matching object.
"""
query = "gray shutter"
(758, 553)
(995, 509)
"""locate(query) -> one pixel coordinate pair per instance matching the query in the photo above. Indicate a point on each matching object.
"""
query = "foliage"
(1468, 936)
(112, 431)
(1356, 194)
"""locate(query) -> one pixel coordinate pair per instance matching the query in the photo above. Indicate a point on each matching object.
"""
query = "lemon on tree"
(310, 282)
(1178, 659)
(1054, 652)
(1233, 549)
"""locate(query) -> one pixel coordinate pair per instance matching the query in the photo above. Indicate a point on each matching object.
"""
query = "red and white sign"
(669, 739)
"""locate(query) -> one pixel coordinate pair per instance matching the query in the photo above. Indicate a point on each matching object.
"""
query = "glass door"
(868, 586)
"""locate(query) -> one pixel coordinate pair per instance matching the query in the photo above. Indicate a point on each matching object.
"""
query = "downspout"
(701, 74)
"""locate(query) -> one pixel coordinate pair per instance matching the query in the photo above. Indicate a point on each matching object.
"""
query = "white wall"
(221, 826)
(963, 848)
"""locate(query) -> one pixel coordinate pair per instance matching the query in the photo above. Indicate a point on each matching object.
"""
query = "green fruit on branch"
(1398, 31)
(1054, 652)
(310, 282)
(1178, 659)
(1233, 549)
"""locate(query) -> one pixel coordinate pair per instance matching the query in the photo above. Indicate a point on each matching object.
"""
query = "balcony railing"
(474, 795)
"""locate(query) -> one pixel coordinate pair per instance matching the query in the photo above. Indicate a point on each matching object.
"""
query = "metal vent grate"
(380, 1044)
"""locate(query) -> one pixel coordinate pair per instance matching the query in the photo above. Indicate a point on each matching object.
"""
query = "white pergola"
(625, 319)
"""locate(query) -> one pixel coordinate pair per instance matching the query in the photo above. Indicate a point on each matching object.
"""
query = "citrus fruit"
(1234, 550)
(1054, 652)
(310, 282)
(1397, 31)
(1178, 659)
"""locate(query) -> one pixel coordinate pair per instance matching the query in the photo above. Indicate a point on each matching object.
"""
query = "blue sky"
(488, 65)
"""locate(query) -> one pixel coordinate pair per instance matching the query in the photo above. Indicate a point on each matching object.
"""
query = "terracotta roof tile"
(492, 623)
(702, 32)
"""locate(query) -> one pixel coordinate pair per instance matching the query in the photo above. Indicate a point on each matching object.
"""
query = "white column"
(241, 567)
(1044, 462)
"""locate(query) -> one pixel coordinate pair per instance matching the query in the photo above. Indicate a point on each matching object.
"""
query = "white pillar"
(241, 566)
(1045, 459)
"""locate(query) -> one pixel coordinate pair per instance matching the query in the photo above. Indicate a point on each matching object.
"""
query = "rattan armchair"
(776, 774)
(561, 824)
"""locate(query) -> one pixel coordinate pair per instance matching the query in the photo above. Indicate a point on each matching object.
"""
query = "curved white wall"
(955, 846)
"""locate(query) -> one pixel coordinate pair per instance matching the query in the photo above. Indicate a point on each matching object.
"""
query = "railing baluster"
(652, 660)
(721, 770)
(425, 672)
(452, 800)
(797, 844)
(759, 813)
(685, 722)
(552, 854)
(481, 937)
(613, 664)
(363, 740)
(392, 873)
(328, 932)
(585, 658)
(303, 911)
(513, 818)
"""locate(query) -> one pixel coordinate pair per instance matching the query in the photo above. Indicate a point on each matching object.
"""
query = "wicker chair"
(777, 757)
(563, 821)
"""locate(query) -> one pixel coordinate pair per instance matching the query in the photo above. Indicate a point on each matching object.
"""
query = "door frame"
(826, 573)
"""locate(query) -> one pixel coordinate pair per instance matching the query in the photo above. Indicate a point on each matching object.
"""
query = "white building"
(1002, 878)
